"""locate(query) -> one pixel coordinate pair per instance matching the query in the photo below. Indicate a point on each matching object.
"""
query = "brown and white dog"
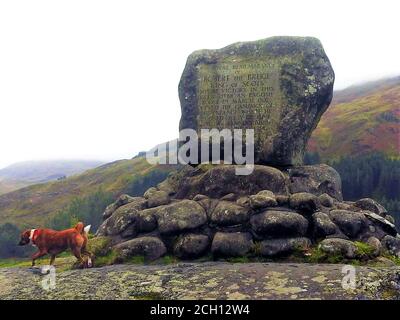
(54, 242)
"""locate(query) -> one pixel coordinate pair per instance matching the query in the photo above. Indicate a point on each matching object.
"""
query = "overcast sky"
(98, 79)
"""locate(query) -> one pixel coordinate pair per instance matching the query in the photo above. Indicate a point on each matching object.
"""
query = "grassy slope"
(360, 120)
(33, 205)
(10, 185)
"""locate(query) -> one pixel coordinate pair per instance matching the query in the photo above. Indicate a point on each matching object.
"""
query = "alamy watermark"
(191, 148)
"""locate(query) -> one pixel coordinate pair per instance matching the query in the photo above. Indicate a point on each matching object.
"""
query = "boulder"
(229, 197)
(191, 246)
(263, 199)
(315, 179)
(336, 246)
(180, 216)
(122, 218)
(323, 225)
(243, 202)
(276, 247)
(282, 200)
(216, 181)
(326, 200)
(281, 224)
(371, 205)
(228, 213)
(350, 223)
(304, 202)
(149, 192)
(378, 220)
(231, 244)
(157, 198)
(392, 245)
(290, 76)
(121, 201)
(376, 245)
(150, 247)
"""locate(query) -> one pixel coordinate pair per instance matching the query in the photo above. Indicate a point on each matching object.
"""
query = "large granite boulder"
(180, 216)
(217, 181)
(191, 246)
(276, 247)
(231, 244)
(316, 179)
(278, 86)
(150, 248)
(273, 223)
(228, 213)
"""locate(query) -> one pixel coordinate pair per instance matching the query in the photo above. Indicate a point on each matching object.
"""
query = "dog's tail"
(82, 229)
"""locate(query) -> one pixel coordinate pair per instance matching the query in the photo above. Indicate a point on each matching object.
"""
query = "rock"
(376, 245)
(275, 247)
(326, 200)
(122, 218)
(315, 179)
(291, 75)
(199, 197)
(243, 202)
(371, 205)
(191, 246)
(392, 245)
(121, 200)
(390, 218)
(151, 248)
(229, 197)
(231, 244)
(303, 202)
(386, 225)
(282, 200)
(336, 246)
(180, 216)
(149, 192)
(350, 223)
(216, 181)
(263, 199)
(323, 226)
(283, 224)
(157, 198)
(227, 213)
(384, 262)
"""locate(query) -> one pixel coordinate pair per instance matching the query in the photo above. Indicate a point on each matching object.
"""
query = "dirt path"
(204, 281)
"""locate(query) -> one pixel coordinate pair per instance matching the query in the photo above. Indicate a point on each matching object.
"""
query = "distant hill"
(43, 171)
(34, 205)
(12, 185)
(362, 119)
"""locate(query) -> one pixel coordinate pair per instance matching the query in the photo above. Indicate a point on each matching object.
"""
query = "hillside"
(361, 119)
(43, 171)
(12, 185)
(34, 205)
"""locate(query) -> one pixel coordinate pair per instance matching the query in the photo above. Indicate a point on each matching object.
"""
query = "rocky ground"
(212, 280)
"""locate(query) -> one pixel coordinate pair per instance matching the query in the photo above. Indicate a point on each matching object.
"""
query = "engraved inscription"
(238, 94)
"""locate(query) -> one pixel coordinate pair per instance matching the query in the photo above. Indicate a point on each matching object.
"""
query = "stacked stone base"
(209, 211)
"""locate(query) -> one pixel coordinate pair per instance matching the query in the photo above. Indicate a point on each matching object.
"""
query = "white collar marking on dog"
(31, 237)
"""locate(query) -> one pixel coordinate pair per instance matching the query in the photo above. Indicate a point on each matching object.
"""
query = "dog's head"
(25, 238)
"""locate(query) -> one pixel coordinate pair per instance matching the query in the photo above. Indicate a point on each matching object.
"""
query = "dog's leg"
(90, 256)
(37, 255)
(52, 259)
(77, 253)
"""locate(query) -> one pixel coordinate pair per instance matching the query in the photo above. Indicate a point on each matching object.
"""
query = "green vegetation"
(86, 209)
(364, 249)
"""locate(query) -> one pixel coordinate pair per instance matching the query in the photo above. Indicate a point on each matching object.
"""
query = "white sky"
(98, 79)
